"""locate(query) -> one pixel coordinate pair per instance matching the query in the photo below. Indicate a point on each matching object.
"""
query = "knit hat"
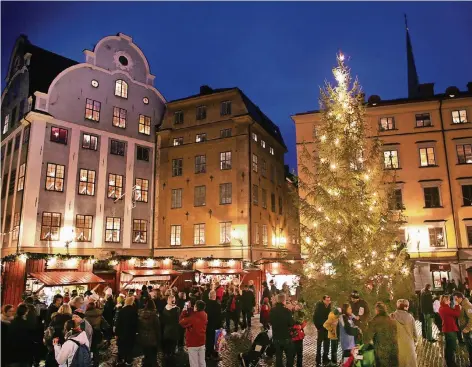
(355, 295)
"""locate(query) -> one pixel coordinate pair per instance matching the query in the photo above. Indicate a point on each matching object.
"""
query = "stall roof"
(221, 271)
(55, 278)
(149, 272)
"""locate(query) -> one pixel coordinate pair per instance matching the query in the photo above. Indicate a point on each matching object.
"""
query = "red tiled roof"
(53, 278)
(220, 271)
(149, 272)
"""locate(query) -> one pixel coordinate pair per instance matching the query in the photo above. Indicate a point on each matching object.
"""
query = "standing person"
(383, 332)
(213, 311)
(406, 334)
(265, 292)
(8, 314)
(148, 333)
(331, 325)
(426, 309)
(181, 300)
(248, 302)
(75, 337)
(282, 322)
(220, 291)
(451, 286)
(449, 318)
(360, 310)
(265, 314)
(125, 331)
(76, 303)
(348, 331)
(58, 321)
(298, 334)
(170, 319)
(20, 342)
(466, 290)
(206, 292)
(273, 288)
(465, 321)
(322, 310)
(94, 317)
(109, 310)
(195, 324)
(251, 286)
(233, 310)
(53, 307)
(437, 318)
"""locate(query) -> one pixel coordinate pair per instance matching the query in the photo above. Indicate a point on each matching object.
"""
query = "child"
(332, 324)
(298, 334)
(265, 310)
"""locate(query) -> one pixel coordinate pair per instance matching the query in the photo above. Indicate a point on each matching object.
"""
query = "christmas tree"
(348, 227)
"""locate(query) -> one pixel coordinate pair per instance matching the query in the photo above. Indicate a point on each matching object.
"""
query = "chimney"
(469, 87)
(426, 90)
(205, 89)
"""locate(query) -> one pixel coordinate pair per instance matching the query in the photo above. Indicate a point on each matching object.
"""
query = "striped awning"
(58, 278)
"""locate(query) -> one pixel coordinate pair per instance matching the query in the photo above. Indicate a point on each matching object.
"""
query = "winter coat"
(465, 319)
(160, 305)
(449, 317)
(383, 331)
(426, 302)
(170, 320)
(20, 342)
(282, 321)
(332, 326)
(406, 338)
(4, 342)
(248, 301)
(94, 317)
(65, 353)
(265, 314)
(127, 324)
(51, 310)
(195, 325)
(361, 309)
(321, 314)
(118, 308)
(237, 304)
(109, 311)
(347, 332)
(58, 321)
(274, 290)
(298, 332)
(148, 328)
(265, 294)
(213, 310)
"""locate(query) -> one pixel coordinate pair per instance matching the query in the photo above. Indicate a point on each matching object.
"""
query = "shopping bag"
(220, 340)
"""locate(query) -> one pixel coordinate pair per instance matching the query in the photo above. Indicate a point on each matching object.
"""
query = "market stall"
(136, 278)
(223, 271)
(283, 274)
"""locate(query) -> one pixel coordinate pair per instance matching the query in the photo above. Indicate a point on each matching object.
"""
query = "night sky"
(277, 53)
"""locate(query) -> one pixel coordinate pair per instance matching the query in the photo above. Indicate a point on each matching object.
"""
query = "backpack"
(82, 357)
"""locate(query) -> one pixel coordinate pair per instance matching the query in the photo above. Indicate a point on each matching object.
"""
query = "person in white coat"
(406, 334)
(65, 353)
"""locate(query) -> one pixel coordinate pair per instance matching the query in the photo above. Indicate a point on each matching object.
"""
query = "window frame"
(200, 138)
(436, 235)
(225, 108)
(176, 198)
(113, 230)
(431, 198)
(255, 160)
(176, 235)
(396, 156)
(141, 190)
(57, 139)
(468, 232)
(459, 116)
(142, 149)
(255, 195)
(225, 133)
(265, 235)
(420, 117)
(224, 188)
(140, 231)
(21, 177)
(466, 195)
(178, 117)
(199, 234)
(90, 144)
(178, 141)
(57, 232)
(116, 144)
(197, 196)
(200, 167)
(119, 116)
(55, 178)
(115, 194)
(273, 208)
(264, 198)
(225, 237)
(12, 183)
(92, 109)
(121, 88)
(144, 125)
(201, 113)
(177, 167)
(224, 165)
(424, 152)
(390, 120)
(83, 227)
(466, 157)
(395, 203)
(85, 184)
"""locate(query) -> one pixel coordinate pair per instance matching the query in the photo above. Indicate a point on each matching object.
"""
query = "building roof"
(58, 278)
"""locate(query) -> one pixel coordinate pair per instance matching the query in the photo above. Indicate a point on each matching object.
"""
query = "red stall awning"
(62, 278)
(137, 273)
(221, 271)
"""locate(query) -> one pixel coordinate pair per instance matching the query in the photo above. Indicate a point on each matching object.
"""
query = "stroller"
(262, 346)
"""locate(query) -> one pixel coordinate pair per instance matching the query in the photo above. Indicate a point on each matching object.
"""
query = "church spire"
(413, 82)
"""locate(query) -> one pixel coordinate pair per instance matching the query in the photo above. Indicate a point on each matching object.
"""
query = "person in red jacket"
(298, 333)
(449, 327)
(265, 314)
(195, 324)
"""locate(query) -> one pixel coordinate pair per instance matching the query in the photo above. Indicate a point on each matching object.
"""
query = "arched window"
(121, 88)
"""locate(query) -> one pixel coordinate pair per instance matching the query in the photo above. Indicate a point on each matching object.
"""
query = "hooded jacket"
(65, 353)
(148, 328)
(406, 338)
(195, 325)
(383, 331)
(170, 320)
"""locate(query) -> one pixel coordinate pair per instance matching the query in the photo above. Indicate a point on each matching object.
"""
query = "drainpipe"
(250, 193)
(450, 186)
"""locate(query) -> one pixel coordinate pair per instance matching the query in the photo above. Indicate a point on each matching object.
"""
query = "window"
(11, 187)
(94, 83)
(254, 137)
(178, 117)
(83, 228)
(264, 168)
(175, 235)
(396, 200)
(271, 151)
(199, 234)
(89, 141)
(21, 177)
(225, 193)
(3, 153)
(263, 143)
(144, 125)
(142, 153)
(58, 135)
(264, 198)
(50, 226)
(431, 197)
(199, 196)
(141, 190)
(115, 186)
(92, 109)
(14, 116)
(119, 117)
(386, 123)
(265, 236)
(280, 205)
(113, 229)
(200, 164)
(200, 138)
(225, 108)
(423, 120)
(4, 185)
(469, 234)
(464, 153)
(390, 159)
(459, 117)
(272, 173)
(201, 112)
(467, 194)
(254, 163)
(256, 233)
(177, 167)
(121, 89)
(225, 232)
(117, 148)
(225, 133)
(17, 141)
(436, 237)
(16, 227)
(6, 123)
(178, 141)
(26, 135)
(272, 202)
(145, 100)
(427, 157)
(55, 177)
(176, 201)
(255, 194)
(139, 231)
(225, 160)
(87, 182)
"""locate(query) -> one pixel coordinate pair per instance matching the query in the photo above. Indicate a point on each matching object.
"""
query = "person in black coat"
(233, 310)
(20, 342)
(322, 310)
(180, 302)
(248, 302)
(125, 330)
(206, 293)
(53, 307)
(282, 322)
(265, 292)
(427, 311)
(170, 320)
(213, 310)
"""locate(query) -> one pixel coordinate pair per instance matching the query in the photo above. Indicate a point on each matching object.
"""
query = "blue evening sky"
(278, 53)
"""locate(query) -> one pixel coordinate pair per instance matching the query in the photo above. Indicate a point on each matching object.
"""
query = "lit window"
(92, 110)
(121, 89)
(119, 117)
(95, 83)
(254, 136)
(16, 227)
(144, 125)
(459, 117)
(83, 228)
(423, 120)
(89, 141)
(178, 117)
(225, 160)
(436, 237)
(265, 235)
(226, 193)
(225, 133)
(390, 159)
(427, 157)
(263, 143)
(50, 226)
(176, 199)
(139, 231)
(464, 153)
(55, 177)
(199, 196)
(199, 234)
(115, 186)
(87, 182)
(256, 233)
(271, 150)
(177, 167)
(225, 108)
(117, 147)
(175, 235)
(58, 135)
(178, 141)
(142, 153)
(21, 177)
(201, 112)
(6, 123)
(200, 164)
(254, 163)
(146, 100)
(141, 190)
(387, 123)
(431, 197)
(200, 138)
(225, 232)
(113, 229)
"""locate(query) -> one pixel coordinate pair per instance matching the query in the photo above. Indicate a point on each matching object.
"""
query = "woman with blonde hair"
(449, 328)
(406, 334)
(59, 319)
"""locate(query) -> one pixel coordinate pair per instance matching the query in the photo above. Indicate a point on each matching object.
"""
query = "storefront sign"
(440, 267)
(147, 263)
(63, 264)
(221, 264)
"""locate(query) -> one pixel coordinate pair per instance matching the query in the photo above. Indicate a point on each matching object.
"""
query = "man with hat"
(360, 310)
